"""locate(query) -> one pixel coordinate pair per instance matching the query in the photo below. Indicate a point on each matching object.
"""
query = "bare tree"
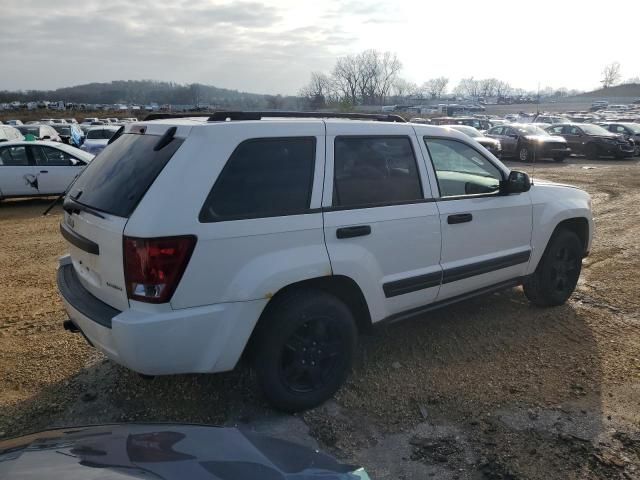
(611, 75)
(346, 76)
(503, 89)
(488, 86)
(468, 87)
(436, 86)
(389, 68)
(318, 91)
(402, 88)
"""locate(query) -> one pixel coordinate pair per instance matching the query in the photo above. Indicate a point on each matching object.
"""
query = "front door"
(381, 224)
(56, 169)
(486, 236)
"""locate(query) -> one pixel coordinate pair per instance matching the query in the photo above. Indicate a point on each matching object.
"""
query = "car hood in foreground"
(164, 451)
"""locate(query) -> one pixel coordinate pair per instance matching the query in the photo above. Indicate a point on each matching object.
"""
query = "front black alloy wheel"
(557, 274)
(304, 349)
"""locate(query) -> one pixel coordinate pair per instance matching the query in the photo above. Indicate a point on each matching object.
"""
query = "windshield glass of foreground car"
(594, 130)
(115, 181)
(533, 130)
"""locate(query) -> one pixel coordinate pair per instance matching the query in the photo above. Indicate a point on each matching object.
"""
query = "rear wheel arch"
(342, 287)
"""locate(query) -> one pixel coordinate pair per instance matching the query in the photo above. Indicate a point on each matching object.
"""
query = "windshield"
(29, 130)
(100, 134)
(63, 130)
(532, 130)
(594, 129)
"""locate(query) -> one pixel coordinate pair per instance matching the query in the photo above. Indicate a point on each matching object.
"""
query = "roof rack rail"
(238, 115)
(164, 116)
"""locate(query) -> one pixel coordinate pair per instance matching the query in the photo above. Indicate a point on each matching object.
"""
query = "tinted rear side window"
(264, 177)
(116, 180)
(374, 171)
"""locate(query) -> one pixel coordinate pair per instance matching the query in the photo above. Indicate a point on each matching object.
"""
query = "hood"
(547, 183)
(167, 452)
(545, 138)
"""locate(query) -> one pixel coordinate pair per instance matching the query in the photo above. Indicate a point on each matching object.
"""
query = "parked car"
(550, 119)
(631, 131)
(130, 119)
(38, 168)
(39, 132)
(58, 121)
(477, 123)
(525, 141)
(89, 120)
(193, 244)
(14, 122)
(491, 144)
(71, 120)
(9, 133)
(71, 134)
(165, 451)
(97, 138)
(593, 141)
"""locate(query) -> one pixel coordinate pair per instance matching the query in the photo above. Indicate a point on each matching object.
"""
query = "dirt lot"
(490, 389)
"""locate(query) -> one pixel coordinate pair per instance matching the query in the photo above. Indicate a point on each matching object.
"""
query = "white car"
(97, 138)
(194, 243)
(9, 133)
(29, 169)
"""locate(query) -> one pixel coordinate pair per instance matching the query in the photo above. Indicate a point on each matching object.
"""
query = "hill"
(626, 90)
(148, 91)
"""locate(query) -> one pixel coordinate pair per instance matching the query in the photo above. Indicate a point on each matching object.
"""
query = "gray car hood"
(164, 451)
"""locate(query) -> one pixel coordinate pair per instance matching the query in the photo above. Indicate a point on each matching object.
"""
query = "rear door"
(56, 169)
(505, 142)
(573, 136)
(381, 224)
(100, 202)
(17, 175)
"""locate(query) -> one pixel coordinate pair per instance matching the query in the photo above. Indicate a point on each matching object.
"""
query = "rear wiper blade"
(71, 206)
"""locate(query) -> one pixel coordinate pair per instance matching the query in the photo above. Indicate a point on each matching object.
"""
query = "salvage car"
(9, 133)
(71, 134)
(491, 144)
(593, 141)
(40, 132)
(97, 138)
(164, 451)
(29, 169)
(527, 142)
(631, 131)
(196, 242)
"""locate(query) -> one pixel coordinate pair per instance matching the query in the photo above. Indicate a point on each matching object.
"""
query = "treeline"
(148, 91)
(373, 78)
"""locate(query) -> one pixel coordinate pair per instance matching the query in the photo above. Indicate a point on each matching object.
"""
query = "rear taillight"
(153, 266)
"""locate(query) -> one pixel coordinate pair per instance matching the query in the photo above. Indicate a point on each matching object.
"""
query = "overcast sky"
(272, 46)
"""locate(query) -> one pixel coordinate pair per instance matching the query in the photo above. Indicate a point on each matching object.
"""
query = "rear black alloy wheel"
(304, 349)
(557, 274)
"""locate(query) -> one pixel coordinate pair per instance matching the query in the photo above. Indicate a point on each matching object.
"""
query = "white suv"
(194, 242)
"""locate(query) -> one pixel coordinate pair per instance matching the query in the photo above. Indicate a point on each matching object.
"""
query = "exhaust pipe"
(70, 326)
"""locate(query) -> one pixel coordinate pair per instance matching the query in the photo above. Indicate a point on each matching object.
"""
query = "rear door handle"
(44, 171)
(459, 218)
(350, 232)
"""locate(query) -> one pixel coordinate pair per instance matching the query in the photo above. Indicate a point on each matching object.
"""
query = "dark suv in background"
(527, 142)
(593, 141)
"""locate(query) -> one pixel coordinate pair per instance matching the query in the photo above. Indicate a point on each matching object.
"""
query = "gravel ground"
(492, 388)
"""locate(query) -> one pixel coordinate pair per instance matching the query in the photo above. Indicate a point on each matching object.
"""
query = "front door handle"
(350, 232)
(459, 218)
(44, 171)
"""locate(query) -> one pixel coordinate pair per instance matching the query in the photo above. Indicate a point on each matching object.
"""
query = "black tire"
(304, 349)
(559, 159)
(557, 274)
(592, 152)
(523, 153)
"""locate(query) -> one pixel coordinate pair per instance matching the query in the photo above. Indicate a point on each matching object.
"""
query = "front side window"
(371, 171)
(264, 177)
(51, 157)
(461, 170)
(14, 156)
(496, 131)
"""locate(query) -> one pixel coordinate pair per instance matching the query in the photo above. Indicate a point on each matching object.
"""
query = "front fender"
(553, 204)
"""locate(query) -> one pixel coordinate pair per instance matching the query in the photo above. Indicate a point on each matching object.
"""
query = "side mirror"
(517, 182)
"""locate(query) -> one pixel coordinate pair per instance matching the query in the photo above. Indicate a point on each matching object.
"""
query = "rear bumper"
(192, 340)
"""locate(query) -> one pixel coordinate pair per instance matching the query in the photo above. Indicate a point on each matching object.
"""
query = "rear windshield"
(100, 133)
(116, 180)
